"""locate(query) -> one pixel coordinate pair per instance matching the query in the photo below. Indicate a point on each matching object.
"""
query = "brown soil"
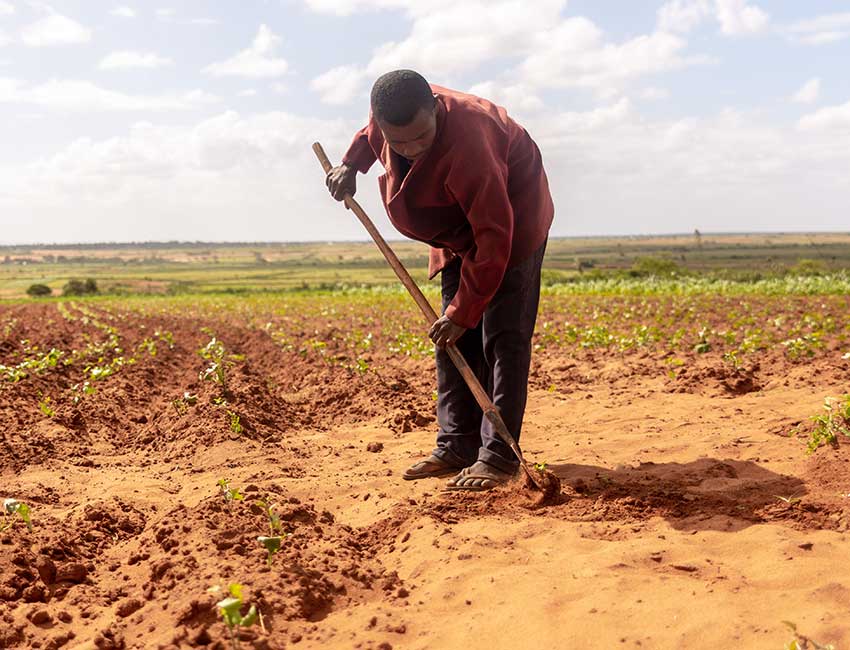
(679, 514)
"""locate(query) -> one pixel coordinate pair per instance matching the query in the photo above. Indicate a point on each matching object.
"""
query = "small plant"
(800, 642)
(271, 544)
(789, 500)
(235, 425)
(732, 359)
(166, 337)
(229, 493)
(85, 389)
(702, 345)
(231, 611)
(148, 345)
(540, 467)
(835, 419)
(181, 404)
(45, 407)
(12, 507)
(274, 519)
(217, 371)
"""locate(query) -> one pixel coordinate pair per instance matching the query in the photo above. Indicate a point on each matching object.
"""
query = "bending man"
(465, 178)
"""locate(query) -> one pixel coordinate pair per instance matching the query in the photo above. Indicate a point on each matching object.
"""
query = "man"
(466, 179)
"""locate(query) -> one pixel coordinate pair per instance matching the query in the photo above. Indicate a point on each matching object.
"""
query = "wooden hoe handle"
(484, 401)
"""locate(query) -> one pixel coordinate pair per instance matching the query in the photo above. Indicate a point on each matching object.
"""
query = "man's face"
(412, 140)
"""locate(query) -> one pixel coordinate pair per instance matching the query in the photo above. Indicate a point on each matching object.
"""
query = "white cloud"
(165, 13)
(652, 93)
(737, 18)
(124, 12)
(258, 61)
(206, 22)
(220, 179)
(55, 29)
(6, 9)
(348, 7)
(683, 15)
(128, 59)
(558, 128)
(74, 95)
(808, 93)
(536, 46)
(830, 119)
(821, 30)
(611, 171)
(248, 92)
(521, 99)
(462, 35)
(341, 84)
(620, 172)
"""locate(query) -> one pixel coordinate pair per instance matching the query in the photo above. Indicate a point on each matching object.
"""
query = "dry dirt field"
(689, 518)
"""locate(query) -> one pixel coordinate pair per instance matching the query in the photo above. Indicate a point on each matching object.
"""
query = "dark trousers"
(499, 352)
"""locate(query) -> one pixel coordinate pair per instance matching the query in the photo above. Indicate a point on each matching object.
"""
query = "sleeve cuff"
(462, 318)
(361, 161)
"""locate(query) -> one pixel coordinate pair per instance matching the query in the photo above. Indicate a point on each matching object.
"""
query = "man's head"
(405, 108)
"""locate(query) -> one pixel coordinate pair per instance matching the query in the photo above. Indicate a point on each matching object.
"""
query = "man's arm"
(360, 155)
(479, 183)
(341, 180)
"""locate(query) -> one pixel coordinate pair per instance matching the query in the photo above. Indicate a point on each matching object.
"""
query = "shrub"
(80, 287)
(654, 266)
(808, 267)
(39, 290)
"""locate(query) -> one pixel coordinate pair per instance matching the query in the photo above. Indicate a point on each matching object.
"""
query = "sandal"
(431, 467)
(477, 478)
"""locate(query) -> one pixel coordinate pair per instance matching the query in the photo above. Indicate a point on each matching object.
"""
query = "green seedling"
(272, 546)
(834, 420)
(702, 346)
(85, 388)
(148, 345)
(788, 500)
(166, 337)
(179, 406)
(800, 642)
(732, 359)
(44, 406)
(12, 507)
(540, 467)
(229, 493)
(231, 611)
(217, 371)
(274, 519)
(235, 425)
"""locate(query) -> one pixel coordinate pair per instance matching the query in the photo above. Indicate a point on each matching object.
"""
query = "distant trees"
(39, 290)
(80, 288)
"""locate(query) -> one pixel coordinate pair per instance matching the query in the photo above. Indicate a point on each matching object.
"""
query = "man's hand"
(341, 181)
(444, 332)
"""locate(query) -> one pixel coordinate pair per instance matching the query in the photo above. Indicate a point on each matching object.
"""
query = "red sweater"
(479, 192)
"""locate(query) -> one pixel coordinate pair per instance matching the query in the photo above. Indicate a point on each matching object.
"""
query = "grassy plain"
(191, 268)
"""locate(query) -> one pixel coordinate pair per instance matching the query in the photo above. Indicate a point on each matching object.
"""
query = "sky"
(193, 120)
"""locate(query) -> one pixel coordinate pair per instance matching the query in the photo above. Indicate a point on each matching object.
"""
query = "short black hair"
(398, 96)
